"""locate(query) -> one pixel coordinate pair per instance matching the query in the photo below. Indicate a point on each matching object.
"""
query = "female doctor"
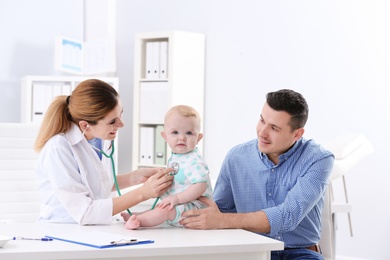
(75, 177)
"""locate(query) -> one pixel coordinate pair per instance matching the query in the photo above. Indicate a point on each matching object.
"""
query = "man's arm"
(212, 218)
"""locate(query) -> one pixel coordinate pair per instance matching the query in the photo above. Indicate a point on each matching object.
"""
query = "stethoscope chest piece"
(175, 169)
(175, 166)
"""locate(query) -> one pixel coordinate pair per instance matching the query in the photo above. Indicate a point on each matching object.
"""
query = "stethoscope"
(175, 169)
(113, 167)
(174, 165)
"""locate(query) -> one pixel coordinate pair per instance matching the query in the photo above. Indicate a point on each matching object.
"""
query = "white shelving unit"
(38, 91)
(178, 61)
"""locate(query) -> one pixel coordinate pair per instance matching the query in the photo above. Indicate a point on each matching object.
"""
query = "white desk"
(170, 243)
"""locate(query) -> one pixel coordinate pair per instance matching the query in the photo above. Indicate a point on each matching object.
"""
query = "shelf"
(37, 92)
(177, 58)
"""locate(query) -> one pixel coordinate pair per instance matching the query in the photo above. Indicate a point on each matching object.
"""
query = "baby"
(182, 134)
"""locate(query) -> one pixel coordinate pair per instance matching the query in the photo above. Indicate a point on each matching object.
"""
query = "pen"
(124, 242)
(29, 238)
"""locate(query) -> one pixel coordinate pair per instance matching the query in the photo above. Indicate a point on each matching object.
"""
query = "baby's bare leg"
(125, 216)
(151, 218)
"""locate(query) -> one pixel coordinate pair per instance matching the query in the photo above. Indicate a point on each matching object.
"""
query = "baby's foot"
(125, 216)
(133, 222)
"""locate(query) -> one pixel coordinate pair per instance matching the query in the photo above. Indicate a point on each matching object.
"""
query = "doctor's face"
(107, 128)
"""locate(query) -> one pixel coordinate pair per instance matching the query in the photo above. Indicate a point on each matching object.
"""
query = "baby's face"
(181, 133)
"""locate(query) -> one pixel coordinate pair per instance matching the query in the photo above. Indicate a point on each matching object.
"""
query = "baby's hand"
(170, 201)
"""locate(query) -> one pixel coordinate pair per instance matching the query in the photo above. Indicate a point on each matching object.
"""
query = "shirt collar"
(285, 155)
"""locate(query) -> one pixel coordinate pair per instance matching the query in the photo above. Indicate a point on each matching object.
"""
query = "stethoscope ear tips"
(175, 166)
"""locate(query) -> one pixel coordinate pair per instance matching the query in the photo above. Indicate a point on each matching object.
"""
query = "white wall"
(28, 31)
(336, 53)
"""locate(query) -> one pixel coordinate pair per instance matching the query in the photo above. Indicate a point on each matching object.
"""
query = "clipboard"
(98, 239)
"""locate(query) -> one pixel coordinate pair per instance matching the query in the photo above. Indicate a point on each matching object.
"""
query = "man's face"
(274, 133)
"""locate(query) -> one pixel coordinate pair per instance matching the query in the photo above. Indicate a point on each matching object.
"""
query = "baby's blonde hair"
(185, 111)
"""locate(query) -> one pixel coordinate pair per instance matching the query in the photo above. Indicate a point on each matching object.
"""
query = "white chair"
(348, 149)
(19, 197)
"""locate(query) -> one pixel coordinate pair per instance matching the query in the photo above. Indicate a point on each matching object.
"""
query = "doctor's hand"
(206, 218)
(158, 183)
(141, 175)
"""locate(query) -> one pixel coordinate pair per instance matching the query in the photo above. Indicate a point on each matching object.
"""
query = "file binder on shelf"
(100, 240)
(146, 145)
(160, 146)
(57, 90)
(163, 60)
(152, 60)
(156, 59)
(42, 95)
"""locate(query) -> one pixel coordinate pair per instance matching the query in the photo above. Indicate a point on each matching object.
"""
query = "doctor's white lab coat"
(75, 184)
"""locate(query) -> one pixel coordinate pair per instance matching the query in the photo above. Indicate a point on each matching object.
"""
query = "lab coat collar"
(74, 135)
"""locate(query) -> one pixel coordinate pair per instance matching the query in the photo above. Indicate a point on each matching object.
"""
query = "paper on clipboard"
(98, 239)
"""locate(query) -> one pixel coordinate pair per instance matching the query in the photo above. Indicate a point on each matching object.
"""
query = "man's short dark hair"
(291, 102)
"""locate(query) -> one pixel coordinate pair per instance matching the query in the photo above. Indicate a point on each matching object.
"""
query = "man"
(273, 185)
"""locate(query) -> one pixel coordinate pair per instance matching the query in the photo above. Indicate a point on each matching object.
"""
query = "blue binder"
(100, 240)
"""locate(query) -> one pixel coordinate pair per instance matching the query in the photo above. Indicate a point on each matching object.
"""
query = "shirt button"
(269, 194)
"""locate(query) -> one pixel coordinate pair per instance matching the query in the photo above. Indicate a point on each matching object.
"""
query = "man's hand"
(207, 218)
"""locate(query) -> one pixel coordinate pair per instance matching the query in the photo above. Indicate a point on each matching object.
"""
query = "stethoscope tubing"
(113, 168)
(174, 165)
